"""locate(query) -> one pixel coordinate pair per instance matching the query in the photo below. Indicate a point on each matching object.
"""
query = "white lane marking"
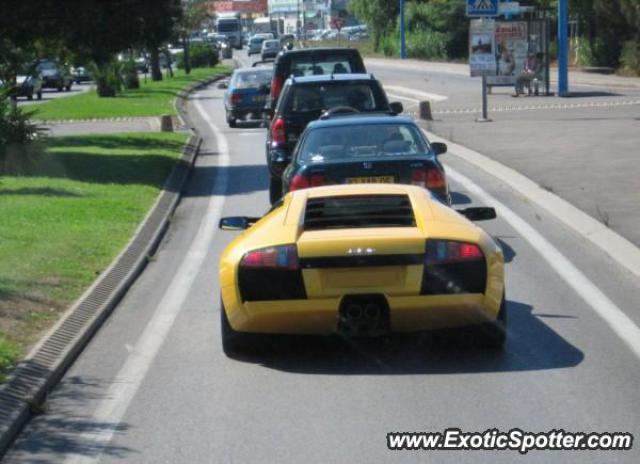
(615, 318)
(117, 399)
(610, 242)
(400, 97)
(417, 93)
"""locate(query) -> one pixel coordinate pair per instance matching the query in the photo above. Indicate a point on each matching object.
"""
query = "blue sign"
(482, 8)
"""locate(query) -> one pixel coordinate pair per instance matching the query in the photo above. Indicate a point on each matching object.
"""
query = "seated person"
(317, 70)
(339, 68)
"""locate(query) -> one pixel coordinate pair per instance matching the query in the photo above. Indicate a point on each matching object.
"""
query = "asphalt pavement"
(52, 94)
(154, 385)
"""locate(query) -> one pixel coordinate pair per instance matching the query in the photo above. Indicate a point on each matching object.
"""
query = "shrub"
(201, 56)
(427, 45)
(108, 78)
(630, 58)
(19, 147)
(130, 74)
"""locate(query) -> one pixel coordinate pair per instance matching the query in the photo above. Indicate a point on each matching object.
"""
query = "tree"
(157, 26)
(380, 16)
(194, 13)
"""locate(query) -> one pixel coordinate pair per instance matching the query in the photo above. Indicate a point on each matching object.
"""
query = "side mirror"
(439, 148)
(223, 84)
(478, 214)
(396, 107)
(237, 222)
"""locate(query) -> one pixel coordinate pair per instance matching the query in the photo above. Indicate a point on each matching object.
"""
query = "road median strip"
(32, 379)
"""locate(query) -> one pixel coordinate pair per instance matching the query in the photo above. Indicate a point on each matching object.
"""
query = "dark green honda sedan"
(358, 148)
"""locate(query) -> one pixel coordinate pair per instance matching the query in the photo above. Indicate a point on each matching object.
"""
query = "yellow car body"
(374, 251)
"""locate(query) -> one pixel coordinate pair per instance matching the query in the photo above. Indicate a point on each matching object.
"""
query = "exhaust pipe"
(354, 311)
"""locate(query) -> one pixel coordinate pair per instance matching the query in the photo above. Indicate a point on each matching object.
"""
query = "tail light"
(432, 178)
(276, 87)
(453, 268)
(278, 131)
(236, 98)
(283, 257)
(299, 182)
(447, 251)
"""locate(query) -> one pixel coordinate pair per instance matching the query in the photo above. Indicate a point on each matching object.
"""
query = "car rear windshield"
(272, 44)
(251, 79)
(228, 26)
(320, 96)
(357, 142)
(326, 64)
(345, 212)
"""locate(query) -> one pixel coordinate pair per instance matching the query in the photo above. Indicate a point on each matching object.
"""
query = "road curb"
(611, 243)
(30, 382)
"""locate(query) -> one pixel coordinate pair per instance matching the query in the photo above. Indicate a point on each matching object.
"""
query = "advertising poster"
(511, 51)
(482, 51)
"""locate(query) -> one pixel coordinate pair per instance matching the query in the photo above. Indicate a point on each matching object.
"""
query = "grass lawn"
(64, 222)
(151, 99)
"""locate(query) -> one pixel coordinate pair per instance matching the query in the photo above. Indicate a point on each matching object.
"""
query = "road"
(52, 94)
(154, 386)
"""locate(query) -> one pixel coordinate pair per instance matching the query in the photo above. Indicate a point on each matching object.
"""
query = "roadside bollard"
(166, 123)
(425, 110)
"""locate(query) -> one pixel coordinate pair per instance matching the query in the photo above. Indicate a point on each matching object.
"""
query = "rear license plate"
(259, 98)
(371, 180)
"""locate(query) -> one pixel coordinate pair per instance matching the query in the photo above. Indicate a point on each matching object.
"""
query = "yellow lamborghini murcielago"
(360, 260)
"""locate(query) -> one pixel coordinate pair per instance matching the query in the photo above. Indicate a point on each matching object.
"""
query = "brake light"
(435, 179)
(419, 177)
(440, 251)
(276, 87)
(278, 131)
(278, 257)
(299, 182)
(236, 98)
(431, 178)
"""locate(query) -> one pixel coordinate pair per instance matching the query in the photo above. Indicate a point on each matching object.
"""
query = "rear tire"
(493, 335)
(233, 342)
(275, 189)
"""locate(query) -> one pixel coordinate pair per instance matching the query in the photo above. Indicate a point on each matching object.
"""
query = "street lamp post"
(403, 48)
(563, 48)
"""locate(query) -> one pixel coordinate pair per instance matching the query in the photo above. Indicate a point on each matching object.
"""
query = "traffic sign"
(479, 8)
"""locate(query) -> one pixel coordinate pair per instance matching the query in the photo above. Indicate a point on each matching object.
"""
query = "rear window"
(359, 211)
(251, 79)
(228, 26)
(355, 142)
(318, 97)
(272, 44)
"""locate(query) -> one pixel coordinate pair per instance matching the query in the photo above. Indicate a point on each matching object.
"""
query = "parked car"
(305, 62)
(304, 99)
(255, 45)
(55, 75)
(247, 93)
(28, 84)
(80, 74)
(270, 48)
(357, 148)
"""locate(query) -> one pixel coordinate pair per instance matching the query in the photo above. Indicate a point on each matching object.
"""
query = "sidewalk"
(588, 157)
(575, 77)
(103, 126)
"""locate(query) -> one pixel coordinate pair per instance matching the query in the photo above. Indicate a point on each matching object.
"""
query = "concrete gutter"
(31, 381)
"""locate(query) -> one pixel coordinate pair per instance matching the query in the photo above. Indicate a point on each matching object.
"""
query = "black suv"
(54, 75)
(303, 100)
(310, 62)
